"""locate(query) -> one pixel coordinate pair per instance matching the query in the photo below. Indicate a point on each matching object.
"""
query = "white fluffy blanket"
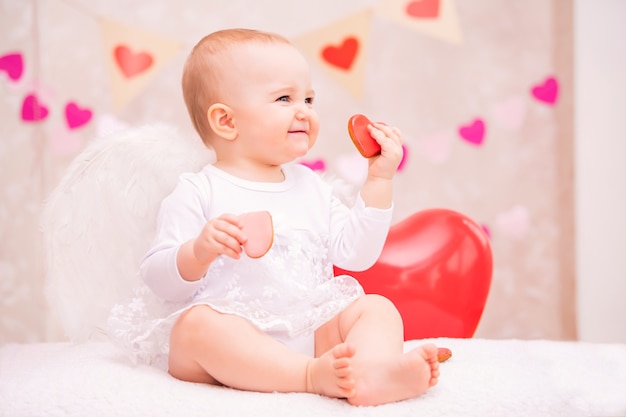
(483, 378)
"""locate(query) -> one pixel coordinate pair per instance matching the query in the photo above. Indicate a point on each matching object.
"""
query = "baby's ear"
(221, 121)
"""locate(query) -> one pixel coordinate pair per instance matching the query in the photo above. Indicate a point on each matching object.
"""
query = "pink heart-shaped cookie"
(259, 229)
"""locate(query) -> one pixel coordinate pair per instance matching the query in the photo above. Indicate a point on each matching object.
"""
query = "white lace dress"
(290, 290)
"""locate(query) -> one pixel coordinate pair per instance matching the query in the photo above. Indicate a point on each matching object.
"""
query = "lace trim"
(290, 290)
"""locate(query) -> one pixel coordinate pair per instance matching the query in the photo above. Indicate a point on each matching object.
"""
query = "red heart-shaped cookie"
(259, 229)
(364, 142)
(443, 354)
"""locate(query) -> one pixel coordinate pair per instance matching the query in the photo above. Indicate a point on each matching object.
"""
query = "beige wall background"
(431, 76)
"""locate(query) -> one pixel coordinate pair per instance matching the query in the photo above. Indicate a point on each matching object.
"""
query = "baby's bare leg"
(382, 372)
(210, 347)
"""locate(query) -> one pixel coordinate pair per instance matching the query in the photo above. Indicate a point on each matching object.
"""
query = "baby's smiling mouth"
(296, 131)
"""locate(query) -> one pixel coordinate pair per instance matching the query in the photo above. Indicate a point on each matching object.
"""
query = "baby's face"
(271, 96)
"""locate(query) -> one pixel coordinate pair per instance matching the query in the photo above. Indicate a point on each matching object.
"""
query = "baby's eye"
(283, 98)
(309, 100)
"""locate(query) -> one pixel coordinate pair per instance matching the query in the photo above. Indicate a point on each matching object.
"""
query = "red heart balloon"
(436, 267)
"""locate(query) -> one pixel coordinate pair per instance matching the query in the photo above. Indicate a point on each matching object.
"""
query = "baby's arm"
(171, 268)
(377, 191)
(357, 234)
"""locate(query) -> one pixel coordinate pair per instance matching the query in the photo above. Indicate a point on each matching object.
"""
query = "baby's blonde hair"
(203, 69)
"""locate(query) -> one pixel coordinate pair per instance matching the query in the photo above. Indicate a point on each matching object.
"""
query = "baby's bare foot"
(406, 376)
(331, 373)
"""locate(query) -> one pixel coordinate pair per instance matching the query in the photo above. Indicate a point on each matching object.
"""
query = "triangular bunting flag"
(133, 57)
(437, 18)
(340, 50)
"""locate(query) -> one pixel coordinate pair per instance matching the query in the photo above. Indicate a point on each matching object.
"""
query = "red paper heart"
(342, 56)
(546, 92)
(474, 132)
(33, 110)
(436, 268)
(76, 116)
(423, 9)
(132, 63)
(13, 64)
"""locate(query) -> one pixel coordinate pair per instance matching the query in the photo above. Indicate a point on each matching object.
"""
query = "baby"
(282, 322)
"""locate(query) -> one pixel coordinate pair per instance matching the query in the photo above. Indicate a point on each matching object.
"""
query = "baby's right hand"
(220, 236)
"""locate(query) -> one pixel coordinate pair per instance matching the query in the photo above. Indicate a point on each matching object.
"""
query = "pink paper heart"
(546, 92)
(436, 147)
(510, 113)
(514, 223)
(405, 155)
(64, 142)
(33, 110)
(316, 165)
(76, 116)
(108, 124)
(474, 132)
(352, 167)
(13, 65)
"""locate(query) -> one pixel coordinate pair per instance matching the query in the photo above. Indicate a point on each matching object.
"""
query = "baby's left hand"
(385, 165)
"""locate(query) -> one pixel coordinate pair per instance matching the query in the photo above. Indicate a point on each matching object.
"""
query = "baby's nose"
(303, 112)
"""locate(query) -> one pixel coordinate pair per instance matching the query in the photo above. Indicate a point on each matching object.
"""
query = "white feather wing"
(100, 220)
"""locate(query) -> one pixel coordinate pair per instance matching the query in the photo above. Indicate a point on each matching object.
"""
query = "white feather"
(100, 220)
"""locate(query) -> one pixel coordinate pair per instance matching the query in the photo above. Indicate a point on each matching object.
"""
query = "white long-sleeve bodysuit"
(288, 292)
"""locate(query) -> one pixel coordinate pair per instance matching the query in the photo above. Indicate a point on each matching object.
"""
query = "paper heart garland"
(405, 157)
(13, 65)
(546, 92)
(342, 56)
(436, 267)
(76, 116)
(108, 124)
(473, 132)
(436, 147)
(64, 142)
(33, 110)
(131, 63)
(423, 9)
(514, 223)
(510, 113)
(352, 168)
